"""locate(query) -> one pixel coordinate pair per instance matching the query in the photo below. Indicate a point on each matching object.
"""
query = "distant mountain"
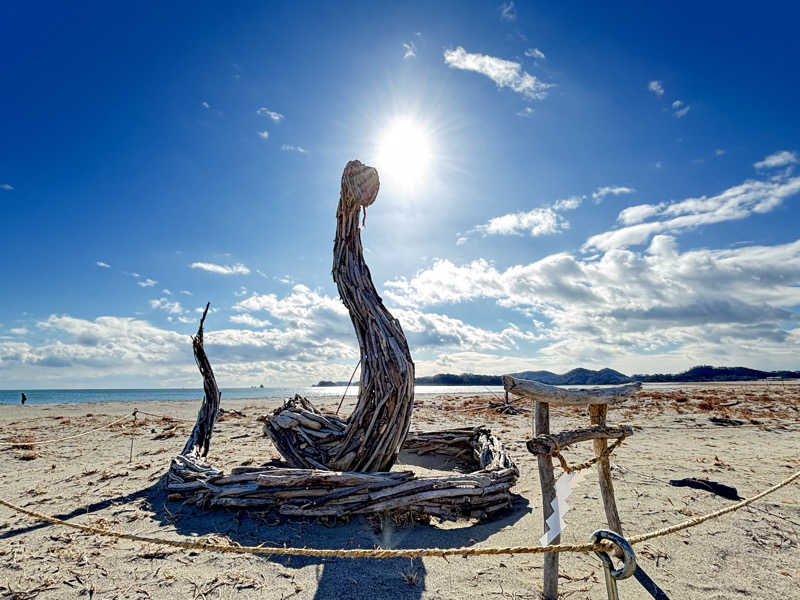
(601, 377)
(574, 377)
(709, 373)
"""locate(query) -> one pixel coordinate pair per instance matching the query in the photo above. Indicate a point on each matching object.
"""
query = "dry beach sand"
(91, 479)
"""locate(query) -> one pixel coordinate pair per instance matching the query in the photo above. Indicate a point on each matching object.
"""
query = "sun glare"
(404, 153)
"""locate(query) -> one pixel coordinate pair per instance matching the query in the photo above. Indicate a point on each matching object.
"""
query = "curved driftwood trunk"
(371, 437)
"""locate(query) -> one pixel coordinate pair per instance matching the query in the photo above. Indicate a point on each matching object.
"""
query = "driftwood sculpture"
(370, 439)
(338, 467)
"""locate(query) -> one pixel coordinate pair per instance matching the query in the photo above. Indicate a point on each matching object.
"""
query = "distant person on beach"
(24, 397)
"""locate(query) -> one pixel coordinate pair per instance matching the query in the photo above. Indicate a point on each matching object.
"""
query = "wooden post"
(547, 481)
(597, 413)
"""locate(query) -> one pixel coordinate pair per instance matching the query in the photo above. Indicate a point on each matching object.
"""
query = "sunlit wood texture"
(371, 437)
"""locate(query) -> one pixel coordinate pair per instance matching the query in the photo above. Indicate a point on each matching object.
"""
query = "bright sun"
(404, 152)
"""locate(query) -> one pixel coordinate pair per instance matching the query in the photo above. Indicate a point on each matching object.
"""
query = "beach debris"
(726, 421)
(720, 489)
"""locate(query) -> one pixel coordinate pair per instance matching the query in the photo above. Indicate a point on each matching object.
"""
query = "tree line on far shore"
(701, 373)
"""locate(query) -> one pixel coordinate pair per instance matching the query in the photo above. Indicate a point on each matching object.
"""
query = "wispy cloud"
(680, 109)
(18, 331)
(173, 308)
(535, 53)
(265, 112)
(147, 282)
(777, 159)
(600, 193)
(570, 203)
(291, 148)
(409, 49)
(237, 269)
(186, 293)
(206, 104)
(505, 73)
(6, 187)
(719, 152)
(656, 87)
(526, 112)
(100, 263)
(735, 203)
(508, 11)
(166, 292)
(263, 134)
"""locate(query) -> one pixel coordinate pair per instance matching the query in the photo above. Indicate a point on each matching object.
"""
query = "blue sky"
(601, 186)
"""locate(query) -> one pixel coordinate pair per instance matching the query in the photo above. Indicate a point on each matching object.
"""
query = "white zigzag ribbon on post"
(555, 522)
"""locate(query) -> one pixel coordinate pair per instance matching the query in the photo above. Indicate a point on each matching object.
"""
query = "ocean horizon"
(73, 396)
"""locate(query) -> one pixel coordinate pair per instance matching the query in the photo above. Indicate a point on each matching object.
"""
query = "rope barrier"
(584, 465)
(395, 553)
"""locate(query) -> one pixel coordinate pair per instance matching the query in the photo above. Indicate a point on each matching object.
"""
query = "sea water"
(161, 394)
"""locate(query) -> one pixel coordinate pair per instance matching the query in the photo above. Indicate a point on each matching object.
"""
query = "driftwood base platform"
(321, 493)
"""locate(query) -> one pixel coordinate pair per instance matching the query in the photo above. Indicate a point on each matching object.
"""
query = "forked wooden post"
(548, 484)
(547, 446)
(597, 413)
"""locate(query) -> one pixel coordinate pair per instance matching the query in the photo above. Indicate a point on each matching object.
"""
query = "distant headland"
(702, 373)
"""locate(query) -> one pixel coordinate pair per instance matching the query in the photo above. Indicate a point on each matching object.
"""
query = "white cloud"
(526, 112)
(237, 269)
(656, 87)
(186, 293)
(173, 308)
(147, 282)
(409, 49)
(639, 308)
(680, 112)
(737, 202)
(290, 148)
(6, 187)
(505, 73)
(206, 104)
(534, 53)
(265, 112)
(719, 152)
(249, 320)
(639, 213)
(18, 331)
(777, 159)
(600, 193)
(166, 292)
(537, 221)
(677, 104)
(570, 203)
(103, 265)
(507, 11)
(263, 134)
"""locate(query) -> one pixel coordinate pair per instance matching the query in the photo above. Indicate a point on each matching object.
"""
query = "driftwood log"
(373, 434)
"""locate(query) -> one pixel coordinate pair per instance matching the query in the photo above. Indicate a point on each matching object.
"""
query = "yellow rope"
(584, 465)
(394, 553)
(69, 437)
(701, 519)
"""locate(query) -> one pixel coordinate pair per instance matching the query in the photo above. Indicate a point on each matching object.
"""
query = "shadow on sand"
(336, 578)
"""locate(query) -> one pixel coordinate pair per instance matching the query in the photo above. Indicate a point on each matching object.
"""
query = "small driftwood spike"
(199, 441)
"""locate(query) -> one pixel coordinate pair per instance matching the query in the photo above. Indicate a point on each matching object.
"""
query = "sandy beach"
(111, 479)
